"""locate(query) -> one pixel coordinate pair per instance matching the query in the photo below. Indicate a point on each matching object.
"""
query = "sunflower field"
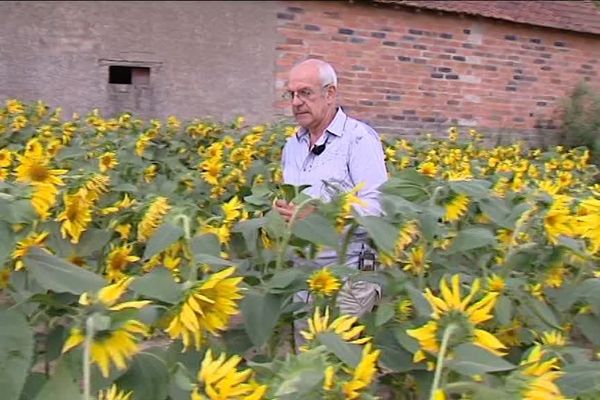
(142, 259)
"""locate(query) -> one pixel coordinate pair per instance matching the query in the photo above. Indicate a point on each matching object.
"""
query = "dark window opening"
(125, 75)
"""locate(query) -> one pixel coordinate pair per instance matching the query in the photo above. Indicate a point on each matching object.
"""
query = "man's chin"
(302, 119)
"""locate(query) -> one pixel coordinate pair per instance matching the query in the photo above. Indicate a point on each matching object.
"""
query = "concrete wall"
(206, 58)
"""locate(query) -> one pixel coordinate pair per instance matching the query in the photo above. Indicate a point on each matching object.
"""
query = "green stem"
(87, 345)
(343, 250)
(435, 194)
(288, 233)
(187, 234)
(440, 360)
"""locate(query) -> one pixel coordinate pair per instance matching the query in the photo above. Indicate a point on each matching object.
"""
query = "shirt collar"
(336, 126)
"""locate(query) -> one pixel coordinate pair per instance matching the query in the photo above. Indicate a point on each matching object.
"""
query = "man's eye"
(305, 93)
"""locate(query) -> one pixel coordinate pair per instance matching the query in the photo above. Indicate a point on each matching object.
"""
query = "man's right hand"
(285, 209)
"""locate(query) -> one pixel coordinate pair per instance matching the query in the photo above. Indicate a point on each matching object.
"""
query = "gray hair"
(327, 74)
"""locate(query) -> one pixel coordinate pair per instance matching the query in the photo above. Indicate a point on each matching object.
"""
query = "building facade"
(405, 67)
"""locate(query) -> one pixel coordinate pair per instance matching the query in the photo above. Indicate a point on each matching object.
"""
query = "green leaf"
(349, 353)
(125, 187)
(261, 312)
(6, 242)
(206, 243)
(60, 386)
(497, 210)
(475, 188)
(285, 278)
(421, 304)
(166, 235)
(589, 326)
(470, 360)
(207, 250)
(249, 229)
(16, 350)
(471, 238)
(317, 229)
(275, 224)
(33, 384)
(147, 377)
(393, 355)
(158, 284)
(92, 241)
(580, 379)
(384, 313)
(53, 273)
(17, 211)
(383, 233)
(503, 310)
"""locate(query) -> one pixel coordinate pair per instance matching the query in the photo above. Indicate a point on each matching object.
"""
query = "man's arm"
(367, 164)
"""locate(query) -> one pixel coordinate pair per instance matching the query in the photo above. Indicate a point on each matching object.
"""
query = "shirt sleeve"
(367, 167)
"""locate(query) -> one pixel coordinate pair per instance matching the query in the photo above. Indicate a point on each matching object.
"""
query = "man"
(331, 149)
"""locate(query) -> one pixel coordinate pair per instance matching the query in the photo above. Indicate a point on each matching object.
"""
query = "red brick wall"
(409, 72)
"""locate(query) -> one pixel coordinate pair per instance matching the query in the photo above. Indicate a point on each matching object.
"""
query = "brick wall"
(411, 72)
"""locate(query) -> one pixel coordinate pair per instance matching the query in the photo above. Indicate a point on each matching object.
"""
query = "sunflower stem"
(87, 345)
(440, 359)
(435, 194)
(288, 233)
(342, 253)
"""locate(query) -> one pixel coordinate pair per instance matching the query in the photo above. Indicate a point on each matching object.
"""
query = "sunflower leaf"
(471, 238)
(16, 350)
(347, 352)
(470, 359)
(261, 312)
(166, 235)
(316, 229)
(53, 273)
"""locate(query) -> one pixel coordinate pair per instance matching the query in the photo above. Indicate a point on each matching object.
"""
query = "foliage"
(581, 124)
(143, 260)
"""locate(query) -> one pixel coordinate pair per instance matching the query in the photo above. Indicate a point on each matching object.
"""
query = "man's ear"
(331, 93)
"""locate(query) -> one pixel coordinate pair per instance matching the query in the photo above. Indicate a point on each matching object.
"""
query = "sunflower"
(451, 308)
(219, 379)
(456, 207)
(232, 209)
(5, 158)
(558, 220)
(324, 282)
(207, 306)
(417, 261)
(153, 218)
(22, 247)
(363, 373)
(428, 168)
(110, 346)
(588, 222)
(35, 169)
(117, 261)
(541, 375)
(76, 216)
(113, 393)
(211, 170)
(150, 173)
(118, 343)
(343, 326)
(43, 198)
(107, 161)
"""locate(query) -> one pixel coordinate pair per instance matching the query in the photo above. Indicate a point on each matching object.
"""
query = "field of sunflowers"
(141, 259)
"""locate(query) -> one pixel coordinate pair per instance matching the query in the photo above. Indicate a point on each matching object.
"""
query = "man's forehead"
(303, 75)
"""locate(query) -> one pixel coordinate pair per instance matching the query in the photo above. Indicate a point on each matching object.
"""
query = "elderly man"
(330, 149)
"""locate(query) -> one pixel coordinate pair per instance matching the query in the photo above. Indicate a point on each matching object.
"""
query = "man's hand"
(286, 210)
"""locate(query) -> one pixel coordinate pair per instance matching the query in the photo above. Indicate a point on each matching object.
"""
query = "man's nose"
(296, 101)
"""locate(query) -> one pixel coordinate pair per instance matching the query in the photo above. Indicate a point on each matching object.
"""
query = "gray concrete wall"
(206, 58)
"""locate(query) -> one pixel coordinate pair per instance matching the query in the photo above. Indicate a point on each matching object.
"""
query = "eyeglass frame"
(290, 95)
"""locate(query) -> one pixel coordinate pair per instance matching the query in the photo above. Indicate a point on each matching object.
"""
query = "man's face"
(311, 101)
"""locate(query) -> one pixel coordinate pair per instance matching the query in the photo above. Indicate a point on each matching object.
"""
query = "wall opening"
(128, 75)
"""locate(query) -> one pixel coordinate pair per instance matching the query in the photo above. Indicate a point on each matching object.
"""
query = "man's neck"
(316, 133)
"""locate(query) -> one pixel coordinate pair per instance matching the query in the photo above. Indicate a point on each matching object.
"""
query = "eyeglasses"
(302, 94)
